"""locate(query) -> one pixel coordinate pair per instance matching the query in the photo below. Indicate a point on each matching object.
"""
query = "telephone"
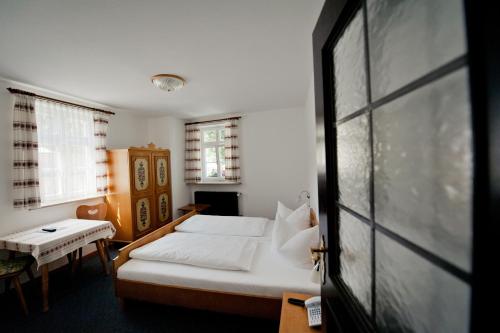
(313, 306)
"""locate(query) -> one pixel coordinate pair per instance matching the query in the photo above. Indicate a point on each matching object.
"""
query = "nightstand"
(293, 317)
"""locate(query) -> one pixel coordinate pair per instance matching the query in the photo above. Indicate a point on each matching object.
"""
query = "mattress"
(270, 275)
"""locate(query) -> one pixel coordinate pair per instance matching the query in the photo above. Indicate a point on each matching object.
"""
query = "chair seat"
(16, 265)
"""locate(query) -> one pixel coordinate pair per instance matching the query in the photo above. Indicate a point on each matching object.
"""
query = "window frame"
(216, 144)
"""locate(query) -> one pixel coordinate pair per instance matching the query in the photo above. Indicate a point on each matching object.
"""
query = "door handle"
(318, 255)
(316, 252)
(321, 249)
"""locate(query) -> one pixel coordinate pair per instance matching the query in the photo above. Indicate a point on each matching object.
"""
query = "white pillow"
(282, 232)
(282, 211)
(297, 249)
(286, 228)
(300, 218)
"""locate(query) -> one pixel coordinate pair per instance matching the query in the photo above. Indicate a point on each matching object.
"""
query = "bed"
(254, 293)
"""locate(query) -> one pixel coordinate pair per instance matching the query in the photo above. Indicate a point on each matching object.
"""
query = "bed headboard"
(314, 219)
(221, 202)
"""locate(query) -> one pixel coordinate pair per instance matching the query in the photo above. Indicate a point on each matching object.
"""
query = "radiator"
(221, 203)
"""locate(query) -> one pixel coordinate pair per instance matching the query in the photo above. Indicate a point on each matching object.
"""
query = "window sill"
(59, 203)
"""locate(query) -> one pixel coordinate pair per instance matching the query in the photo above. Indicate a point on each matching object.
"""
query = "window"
(213, 153)
(66, 152)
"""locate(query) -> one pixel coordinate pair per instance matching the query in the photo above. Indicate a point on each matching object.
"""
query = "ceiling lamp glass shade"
(168, 82)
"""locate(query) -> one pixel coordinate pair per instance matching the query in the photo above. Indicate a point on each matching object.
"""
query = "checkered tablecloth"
(69, 236)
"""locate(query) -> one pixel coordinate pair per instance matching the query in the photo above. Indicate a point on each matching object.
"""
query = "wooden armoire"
(140, 191)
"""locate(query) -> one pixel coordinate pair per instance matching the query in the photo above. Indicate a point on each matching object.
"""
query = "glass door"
(395, 137)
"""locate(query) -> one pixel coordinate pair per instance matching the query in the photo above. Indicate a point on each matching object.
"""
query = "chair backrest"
(95, 212)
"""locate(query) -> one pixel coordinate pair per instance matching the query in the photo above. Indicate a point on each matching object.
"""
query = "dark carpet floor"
(86, 303)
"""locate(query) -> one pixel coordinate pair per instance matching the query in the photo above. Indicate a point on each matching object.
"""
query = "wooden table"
(294, 317)
(46, 247)
(197, 207)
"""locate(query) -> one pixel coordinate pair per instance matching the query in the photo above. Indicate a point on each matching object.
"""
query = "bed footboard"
(225, 302)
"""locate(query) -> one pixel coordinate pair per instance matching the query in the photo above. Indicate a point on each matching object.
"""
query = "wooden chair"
(95, 212)
(11, 269)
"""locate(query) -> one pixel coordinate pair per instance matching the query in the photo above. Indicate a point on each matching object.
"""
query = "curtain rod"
(211, 121)
(22, 92)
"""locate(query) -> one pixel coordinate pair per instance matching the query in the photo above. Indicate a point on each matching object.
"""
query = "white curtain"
(67, 152)
(192, 169)
(26, 191)
(101, 121)
(232, 150)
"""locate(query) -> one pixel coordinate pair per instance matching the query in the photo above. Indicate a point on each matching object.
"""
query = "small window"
(212, 153)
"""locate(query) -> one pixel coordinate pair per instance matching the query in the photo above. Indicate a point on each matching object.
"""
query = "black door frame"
(341, 312)
(483, 30)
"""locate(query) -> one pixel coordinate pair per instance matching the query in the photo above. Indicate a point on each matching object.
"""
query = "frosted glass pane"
(410, 38)
(353, 159)
(413, 295)
(355, 257)
(349, 66)
(423, 168)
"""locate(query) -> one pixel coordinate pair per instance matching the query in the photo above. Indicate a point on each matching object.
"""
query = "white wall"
(310, 120)
(310, 131)
(125, 130)
(168, 132)
(274, 157)
(277, 159)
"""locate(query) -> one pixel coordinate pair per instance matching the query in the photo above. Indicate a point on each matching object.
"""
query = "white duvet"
(210, 251)
(224, 225)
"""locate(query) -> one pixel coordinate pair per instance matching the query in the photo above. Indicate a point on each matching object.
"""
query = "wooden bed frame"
(227, 302)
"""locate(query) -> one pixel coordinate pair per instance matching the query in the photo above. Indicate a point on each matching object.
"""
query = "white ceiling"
(236, 55)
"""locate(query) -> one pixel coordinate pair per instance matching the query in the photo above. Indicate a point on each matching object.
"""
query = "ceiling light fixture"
(168, 82)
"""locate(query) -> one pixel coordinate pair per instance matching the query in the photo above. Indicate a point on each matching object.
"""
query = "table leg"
(45, 287)
(100, 249)
(20, 294)
(75, 262)
(80, 254)
(106, 249)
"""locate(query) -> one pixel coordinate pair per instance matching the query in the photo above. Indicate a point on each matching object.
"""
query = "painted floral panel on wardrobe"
(143, 210)
(141, 174)
(163, 212)
(161, 172)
